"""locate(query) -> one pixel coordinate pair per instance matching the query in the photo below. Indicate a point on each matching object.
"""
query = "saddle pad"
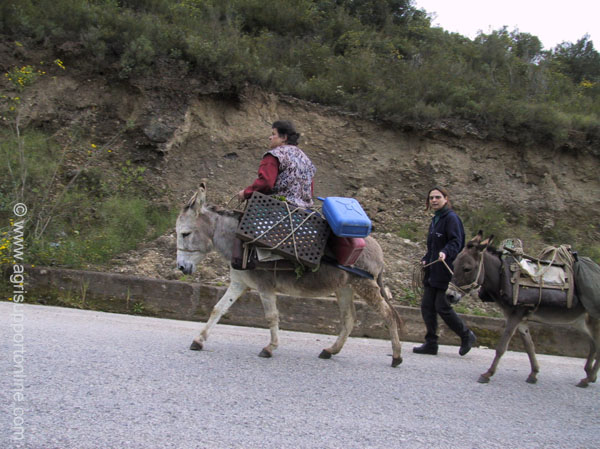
(549, 275)
(520, 288)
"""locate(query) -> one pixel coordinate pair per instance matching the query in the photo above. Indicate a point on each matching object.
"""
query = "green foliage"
(503, 223)
(74, 219)
(119, 225)
(410, 230)
(22, 77)
(380, 58)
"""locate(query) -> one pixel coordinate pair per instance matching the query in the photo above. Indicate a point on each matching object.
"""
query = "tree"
(579, 61)
(527, 47)
(377, 12)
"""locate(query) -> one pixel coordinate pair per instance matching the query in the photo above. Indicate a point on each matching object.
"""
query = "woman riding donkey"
(445, 240)
(284, 170)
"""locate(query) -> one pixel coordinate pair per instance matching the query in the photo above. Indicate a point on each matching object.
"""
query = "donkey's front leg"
(235, 290)
(269, 302)
(512, 322)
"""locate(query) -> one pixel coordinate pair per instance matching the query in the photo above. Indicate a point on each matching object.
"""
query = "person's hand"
(442, 255)
(241, 196)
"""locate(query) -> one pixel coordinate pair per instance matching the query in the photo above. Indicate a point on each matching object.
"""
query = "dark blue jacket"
(447, 235)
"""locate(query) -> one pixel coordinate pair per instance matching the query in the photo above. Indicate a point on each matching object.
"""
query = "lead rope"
(444, 262)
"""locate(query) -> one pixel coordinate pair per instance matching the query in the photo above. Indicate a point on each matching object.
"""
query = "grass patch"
(75, 218)
(410, 230)
(504, 223)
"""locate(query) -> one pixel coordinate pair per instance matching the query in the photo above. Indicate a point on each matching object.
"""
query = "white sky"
(553, 22)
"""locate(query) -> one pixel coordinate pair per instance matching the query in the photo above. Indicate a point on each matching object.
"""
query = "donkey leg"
(589, 366)
(345, 296)
(269, 302)
(592, 363)
(235, 290)
(523, 329)
(512, 322)
(369, 290)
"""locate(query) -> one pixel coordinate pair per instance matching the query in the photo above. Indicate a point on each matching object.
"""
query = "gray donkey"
(479, 266)
(202, 228)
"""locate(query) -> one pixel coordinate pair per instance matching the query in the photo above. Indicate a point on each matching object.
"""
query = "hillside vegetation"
(378, 58)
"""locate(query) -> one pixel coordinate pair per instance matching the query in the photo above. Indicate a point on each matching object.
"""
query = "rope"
(444, 262)
(417, 279)
(240, 204)
(293, 232)
(564, 256)
(419, 272)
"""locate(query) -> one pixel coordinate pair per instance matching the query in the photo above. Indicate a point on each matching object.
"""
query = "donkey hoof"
(396, 361)
(265, 353)
(583, 383)
(531, 380)
(325, 354)
(483, 379)
(196, 346)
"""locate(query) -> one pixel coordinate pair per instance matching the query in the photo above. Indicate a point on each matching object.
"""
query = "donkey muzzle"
(453, 295)
(185, 267)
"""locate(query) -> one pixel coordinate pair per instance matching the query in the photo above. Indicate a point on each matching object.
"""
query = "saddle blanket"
(547, 275)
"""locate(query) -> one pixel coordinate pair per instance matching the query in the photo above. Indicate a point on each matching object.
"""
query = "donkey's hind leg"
(269, 302)
(523, 329)
(235, 290)
(512, 321)
(345, 296)
(371, 293)
(592, 363)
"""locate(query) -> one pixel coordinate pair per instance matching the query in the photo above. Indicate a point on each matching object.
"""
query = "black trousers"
(434, 303)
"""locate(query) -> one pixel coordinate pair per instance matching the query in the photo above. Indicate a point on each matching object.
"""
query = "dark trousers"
(434, 303)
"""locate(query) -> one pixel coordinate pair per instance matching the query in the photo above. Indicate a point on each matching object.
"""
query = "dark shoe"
(426, 348)
(467, 343)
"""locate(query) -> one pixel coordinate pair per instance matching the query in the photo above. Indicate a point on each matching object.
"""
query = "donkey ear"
(197, 201)
(201, 194)
(477, 238)
(487, 242)
(191, 204)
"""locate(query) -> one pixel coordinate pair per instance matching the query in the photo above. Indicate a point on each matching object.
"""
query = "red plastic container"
(347, 249)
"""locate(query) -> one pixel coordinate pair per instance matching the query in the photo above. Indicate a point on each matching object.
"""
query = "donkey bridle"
(466, 289)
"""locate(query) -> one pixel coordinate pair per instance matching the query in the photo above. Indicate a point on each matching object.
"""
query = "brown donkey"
(202, 228)
(479, 266)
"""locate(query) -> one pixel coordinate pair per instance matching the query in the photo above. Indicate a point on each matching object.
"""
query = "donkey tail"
(387, 296)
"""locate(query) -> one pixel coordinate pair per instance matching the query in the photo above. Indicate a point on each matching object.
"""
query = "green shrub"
(410, 230)
(381, 59)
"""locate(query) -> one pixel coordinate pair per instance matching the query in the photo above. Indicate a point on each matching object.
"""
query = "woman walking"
(445, 240)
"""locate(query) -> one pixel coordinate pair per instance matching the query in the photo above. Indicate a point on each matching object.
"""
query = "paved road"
(98, 380)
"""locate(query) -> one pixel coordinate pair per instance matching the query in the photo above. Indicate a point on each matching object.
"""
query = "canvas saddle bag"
(544, 280)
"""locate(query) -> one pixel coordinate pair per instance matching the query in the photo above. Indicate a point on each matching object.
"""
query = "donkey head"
(194, 241)
(468, 268)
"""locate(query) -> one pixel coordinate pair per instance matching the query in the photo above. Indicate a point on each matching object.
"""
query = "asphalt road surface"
(81, 379)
